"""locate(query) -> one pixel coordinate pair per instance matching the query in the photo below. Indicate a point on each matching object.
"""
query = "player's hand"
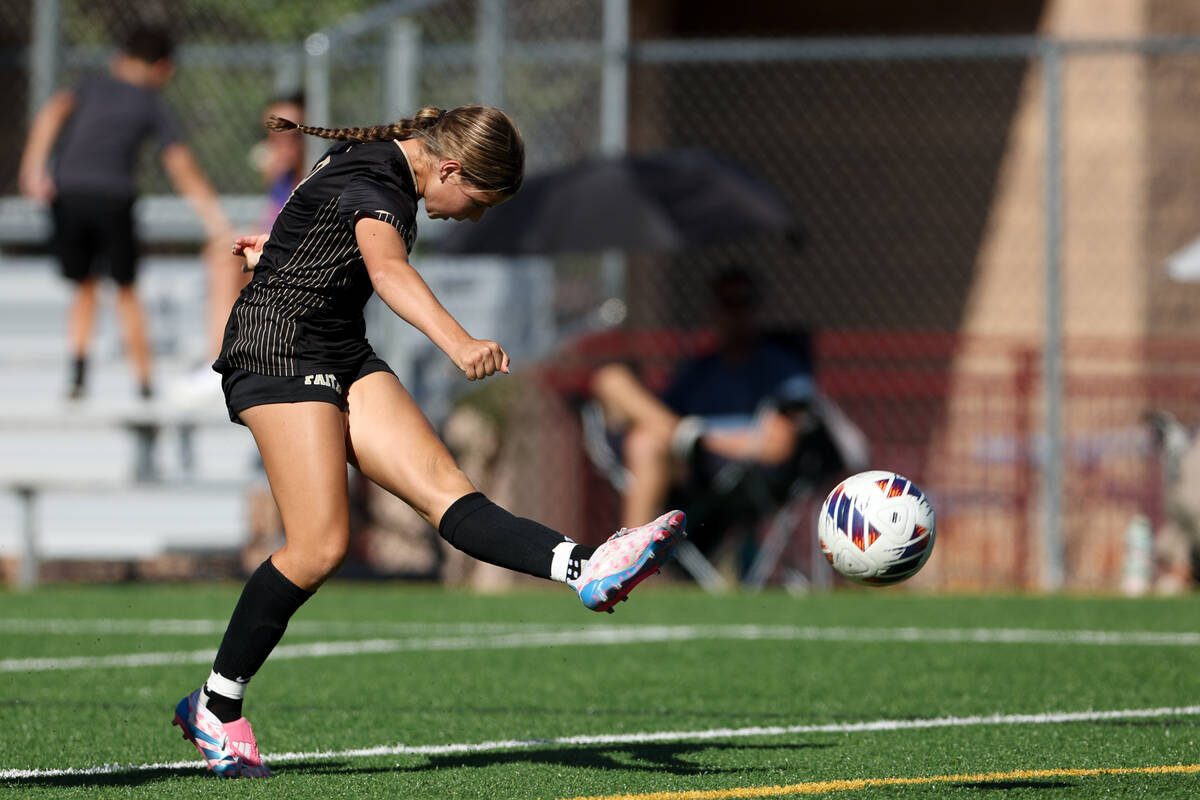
(250, 247)
(480, 358)
(37, 185)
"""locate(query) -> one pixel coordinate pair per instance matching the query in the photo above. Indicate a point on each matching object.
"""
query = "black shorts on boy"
(92, 231)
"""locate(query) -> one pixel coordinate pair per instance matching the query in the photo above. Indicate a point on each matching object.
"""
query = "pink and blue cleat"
(629, 557)
(228, 748)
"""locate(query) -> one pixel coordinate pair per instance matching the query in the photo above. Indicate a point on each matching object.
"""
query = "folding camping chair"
(775, 503)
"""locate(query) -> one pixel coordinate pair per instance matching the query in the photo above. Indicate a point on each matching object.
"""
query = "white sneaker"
(196, 390)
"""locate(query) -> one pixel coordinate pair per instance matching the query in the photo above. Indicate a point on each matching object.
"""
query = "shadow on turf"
(658, 757)
(665, 757)
(122, 779)
(1015, 785)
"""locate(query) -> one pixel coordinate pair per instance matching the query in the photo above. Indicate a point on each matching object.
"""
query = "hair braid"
(425, 119)
(484, 140)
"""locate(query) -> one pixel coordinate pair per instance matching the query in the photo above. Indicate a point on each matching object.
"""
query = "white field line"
(870, 726)
(536, 636)
(193, 627)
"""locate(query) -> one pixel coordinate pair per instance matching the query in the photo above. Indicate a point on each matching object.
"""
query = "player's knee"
(325, 560)
(320, 556)
(610, 379)
(647, 444)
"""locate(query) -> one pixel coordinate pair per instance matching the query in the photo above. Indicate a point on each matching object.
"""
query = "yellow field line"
(821, 787)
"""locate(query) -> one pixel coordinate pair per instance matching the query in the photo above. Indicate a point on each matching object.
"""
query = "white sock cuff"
(561, 560)
(686, 434)
(226, 687)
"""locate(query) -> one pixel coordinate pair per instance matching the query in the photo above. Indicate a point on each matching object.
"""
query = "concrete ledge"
(161, 219)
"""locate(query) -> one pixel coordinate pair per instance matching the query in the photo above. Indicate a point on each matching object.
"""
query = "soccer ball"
(877, 528)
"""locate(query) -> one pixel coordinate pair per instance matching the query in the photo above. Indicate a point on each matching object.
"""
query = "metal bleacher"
(118, 478)
(112, 476)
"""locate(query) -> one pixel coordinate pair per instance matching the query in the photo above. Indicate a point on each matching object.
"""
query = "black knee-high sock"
(261, 616)
(484, 530)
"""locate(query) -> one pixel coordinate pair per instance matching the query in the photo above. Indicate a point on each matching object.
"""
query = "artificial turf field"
(402, 691)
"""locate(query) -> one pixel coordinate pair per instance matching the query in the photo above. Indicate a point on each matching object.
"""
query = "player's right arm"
(34, 174)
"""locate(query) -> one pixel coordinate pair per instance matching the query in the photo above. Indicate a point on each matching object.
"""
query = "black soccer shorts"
(244, 389)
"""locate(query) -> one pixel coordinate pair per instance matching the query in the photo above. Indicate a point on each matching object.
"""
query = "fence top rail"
(893, 48)
(657, 51)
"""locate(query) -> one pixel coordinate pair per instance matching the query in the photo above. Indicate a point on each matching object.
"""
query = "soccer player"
(298, 371)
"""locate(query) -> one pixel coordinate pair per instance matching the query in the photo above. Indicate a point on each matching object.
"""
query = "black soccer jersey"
(303, 311)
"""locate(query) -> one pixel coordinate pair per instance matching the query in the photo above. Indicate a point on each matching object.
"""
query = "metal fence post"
(614, 88)
(289, 72)
(402, 65)
(43, 53)
(1053, 574)
(316, 90)
(490, 42)
(614, 116)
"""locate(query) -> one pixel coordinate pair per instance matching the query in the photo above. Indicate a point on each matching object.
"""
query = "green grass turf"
(120, 715)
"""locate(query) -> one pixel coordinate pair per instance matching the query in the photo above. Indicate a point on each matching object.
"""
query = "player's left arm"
(404, 290)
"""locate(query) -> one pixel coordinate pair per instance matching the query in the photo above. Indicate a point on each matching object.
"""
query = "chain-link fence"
(984, 227)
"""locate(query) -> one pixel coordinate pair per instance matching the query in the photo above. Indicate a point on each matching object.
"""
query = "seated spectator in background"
(279, 160)
(749, 403)
(279, 157)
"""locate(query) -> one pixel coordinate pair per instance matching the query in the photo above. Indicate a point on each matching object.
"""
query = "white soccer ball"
(877, 528)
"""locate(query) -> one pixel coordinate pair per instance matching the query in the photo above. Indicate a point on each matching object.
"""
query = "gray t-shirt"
(96, 153)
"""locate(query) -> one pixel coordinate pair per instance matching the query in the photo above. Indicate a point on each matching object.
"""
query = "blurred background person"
(747, 405)
(279, 160)
(1168, 561)
(80, 157)
(279, 157)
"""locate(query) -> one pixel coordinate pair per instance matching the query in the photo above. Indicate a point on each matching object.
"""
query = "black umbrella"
(659, 201)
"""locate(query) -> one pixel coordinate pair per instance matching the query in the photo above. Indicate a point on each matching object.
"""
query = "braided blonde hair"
(481, 138)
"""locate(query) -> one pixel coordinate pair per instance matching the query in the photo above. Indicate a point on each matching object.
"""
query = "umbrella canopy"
(660, 201)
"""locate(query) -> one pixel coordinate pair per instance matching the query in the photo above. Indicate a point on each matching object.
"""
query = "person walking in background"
(298, 371)
(80, 158)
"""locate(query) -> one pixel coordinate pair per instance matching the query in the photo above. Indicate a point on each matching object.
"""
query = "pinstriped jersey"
(303, 311)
